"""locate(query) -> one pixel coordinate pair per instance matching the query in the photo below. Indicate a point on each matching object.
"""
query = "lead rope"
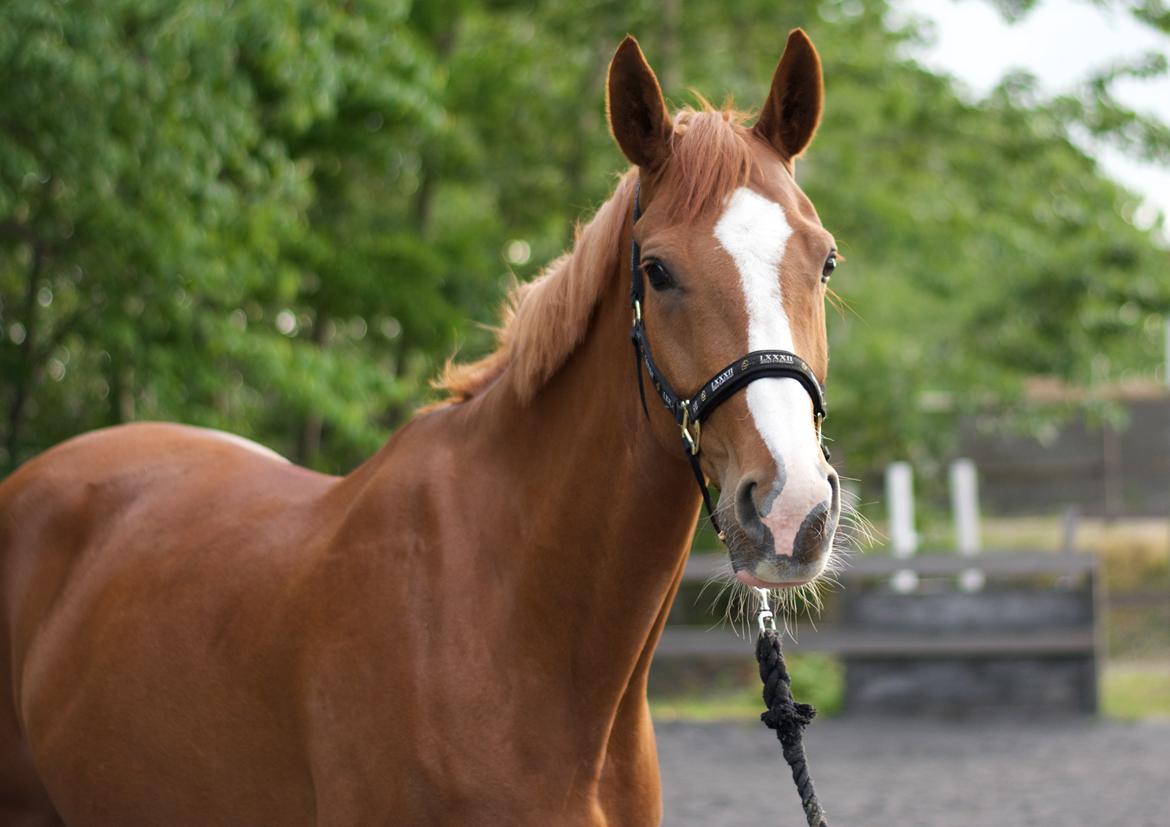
(784, 715)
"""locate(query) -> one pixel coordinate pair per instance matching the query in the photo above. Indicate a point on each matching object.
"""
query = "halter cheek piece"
(691, 413)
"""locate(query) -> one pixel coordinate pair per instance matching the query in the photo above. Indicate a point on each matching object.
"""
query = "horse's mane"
(543, 321)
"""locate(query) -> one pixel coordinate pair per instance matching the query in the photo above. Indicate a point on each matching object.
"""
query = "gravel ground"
(881, 773)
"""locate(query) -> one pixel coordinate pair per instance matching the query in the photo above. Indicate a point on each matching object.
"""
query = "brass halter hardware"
(692, 440)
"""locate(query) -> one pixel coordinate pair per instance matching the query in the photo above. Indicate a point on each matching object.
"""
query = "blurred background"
(280, 218)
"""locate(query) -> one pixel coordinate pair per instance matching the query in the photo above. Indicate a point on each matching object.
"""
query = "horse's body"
(456, 633)
(202, 634)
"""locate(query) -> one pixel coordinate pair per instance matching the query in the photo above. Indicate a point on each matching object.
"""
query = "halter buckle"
(692, 441)
(637, 310)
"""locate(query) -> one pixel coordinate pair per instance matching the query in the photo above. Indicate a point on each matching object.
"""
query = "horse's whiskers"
(739, 603)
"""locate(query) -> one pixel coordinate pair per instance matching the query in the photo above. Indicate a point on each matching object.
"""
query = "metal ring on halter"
(765, 619)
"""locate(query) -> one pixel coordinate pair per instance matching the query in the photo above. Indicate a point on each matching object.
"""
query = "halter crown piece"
(691, 413)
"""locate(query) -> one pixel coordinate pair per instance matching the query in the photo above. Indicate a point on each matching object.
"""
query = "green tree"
(278, 218)
(183, 188)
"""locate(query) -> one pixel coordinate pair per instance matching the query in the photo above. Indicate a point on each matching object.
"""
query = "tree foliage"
(278, 218)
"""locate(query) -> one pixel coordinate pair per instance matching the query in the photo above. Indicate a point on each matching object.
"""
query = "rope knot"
(788, 718)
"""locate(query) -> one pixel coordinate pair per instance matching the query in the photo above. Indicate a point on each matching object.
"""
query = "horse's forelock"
(710, 158)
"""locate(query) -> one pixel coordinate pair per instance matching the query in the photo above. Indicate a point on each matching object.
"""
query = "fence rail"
(1027, 640)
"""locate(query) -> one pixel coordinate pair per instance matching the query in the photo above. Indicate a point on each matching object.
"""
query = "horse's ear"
(793, 109)
(637, 113)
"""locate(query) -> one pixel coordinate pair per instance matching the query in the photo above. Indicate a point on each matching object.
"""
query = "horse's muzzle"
(785, 538)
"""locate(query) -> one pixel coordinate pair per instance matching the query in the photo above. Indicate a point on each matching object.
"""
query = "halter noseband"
(690, 413)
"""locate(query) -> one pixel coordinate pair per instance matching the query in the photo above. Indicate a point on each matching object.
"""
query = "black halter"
(690, 413)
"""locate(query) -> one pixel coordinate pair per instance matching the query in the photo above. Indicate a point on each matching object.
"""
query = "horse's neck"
(608, 511)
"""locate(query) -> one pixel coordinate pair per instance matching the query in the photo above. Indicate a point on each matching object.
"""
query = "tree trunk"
(587, 116)
(444, 44)
(424, 198)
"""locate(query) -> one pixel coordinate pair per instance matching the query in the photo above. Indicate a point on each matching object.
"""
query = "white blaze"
(754, 232)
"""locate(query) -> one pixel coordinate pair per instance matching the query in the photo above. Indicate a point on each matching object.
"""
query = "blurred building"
(1110, 459)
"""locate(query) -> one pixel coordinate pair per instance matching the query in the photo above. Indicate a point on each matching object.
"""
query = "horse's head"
(735, 260)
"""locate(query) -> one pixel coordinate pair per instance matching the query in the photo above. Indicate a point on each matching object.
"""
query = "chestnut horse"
(197, 632)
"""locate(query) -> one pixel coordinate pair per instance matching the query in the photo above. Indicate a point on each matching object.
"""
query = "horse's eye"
(830, 266)
(659, 277)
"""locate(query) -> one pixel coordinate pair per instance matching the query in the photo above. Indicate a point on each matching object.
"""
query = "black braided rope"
(789, 719)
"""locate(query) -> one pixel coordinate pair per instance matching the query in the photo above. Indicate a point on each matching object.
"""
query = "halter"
(691, 413)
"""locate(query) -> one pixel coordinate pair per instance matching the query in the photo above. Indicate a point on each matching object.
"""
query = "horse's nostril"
(813, 535)
(747, 514)
(745, 506)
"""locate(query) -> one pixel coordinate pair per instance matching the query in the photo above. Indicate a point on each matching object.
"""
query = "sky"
(1060, 42)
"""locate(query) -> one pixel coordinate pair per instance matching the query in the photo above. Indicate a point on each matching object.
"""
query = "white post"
(900, 501)
(965, 508)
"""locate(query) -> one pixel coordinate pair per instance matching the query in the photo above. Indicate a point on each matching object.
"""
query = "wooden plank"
(1137, 599)
(997, 564)
(691, 642)
(993, 564)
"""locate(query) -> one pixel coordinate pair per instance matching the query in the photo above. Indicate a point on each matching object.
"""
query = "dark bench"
(1026, 642)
